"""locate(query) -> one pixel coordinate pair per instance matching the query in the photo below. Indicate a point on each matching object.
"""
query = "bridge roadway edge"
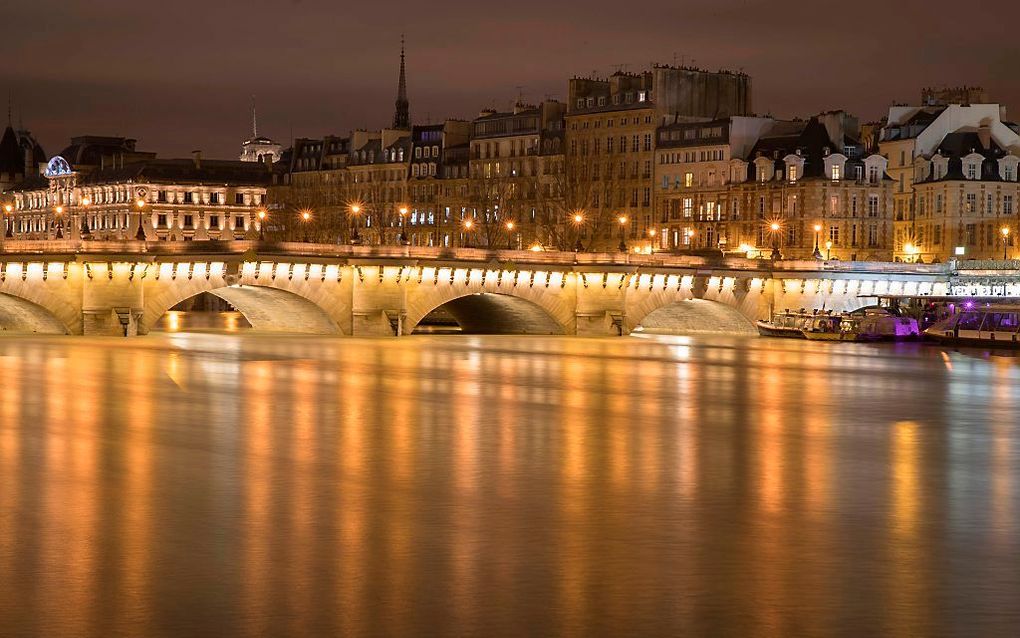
(121, 288)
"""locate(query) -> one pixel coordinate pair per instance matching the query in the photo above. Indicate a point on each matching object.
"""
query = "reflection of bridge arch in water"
(696, 316)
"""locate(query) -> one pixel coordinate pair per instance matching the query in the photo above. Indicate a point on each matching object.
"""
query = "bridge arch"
(497, 313)
(264, 305)
(18, 314)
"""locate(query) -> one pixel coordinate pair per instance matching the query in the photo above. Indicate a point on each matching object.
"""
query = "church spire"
(254, 121)
(401, 118)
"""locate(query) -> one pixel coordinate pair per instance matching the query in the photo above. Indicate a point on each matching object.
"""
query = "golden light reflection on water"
(500, 486)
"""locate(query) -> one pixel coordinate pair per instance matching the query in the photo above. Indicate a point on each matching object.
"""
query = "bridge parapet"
(117, 287)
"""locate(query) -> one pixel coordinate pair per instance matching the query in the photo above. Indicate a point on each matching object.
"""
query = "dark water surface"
(227, 485)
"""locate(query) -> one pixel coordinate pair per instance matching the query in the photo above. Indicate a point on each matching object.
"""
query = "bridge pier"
(113, 298)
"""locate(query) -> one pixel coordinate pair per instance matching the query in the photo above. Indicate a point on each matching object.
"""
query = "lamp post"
(651, 239)
(468, 225)
(623, 227)
(403, 225)
(1005, 242)
(140, 233)
(828, 250)
(8, 209)
(262, 225)
(306, 216)
(817, 254)
(690, 238)
(58, 222)
(774, 227)
(509, 234)
(355, 211)
(578, 220)
(84, 232)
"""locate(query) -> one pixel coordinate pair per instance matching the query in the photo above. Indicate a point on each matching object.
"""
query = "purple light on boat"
(969, 305)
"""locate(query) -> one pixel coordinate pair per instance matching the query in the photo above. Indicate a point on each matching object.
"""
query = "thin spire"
(401, 118)
(10, 108)
(254, 120)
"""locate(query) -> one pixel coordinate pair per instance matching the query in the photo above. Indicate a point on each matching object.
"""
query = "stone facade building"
(102, 188)
(754, 186)
(967, 196)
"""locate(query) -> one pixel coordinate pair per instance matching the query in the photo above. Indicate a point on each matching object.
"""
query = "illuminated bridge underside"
(271, 309)
(20, 315)
(697, 316)
(487, 313)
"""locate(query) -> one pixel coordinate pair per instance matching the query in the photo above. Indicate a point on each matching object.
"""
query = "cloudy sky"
(179, 75)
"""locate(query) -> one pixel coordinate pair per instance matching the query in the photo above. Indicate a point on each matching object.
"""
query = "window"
(688, 207)
(648, 142)
(835, 172)
(971, 170)
(971, 234)
(214, 221)
(189, 198)
(189, 221)
(161, 197)
(239, 198)
(872, 235)
(1007, 204)
(834, 204)
(688, 179)
(834, 235)
(971, 205)
(792, 172)
(161, 221)
(239, 222)
(872, 205)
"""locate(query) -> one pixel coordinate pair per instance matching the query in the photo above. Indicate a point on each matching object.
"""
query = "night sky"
(180, 75)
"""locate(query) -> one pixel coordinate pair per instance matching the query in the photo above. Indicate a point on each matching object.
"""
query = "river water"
(229, 485)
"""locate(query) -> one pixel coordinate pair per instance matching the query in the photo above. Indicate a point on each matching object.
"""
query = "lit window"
(835, 172)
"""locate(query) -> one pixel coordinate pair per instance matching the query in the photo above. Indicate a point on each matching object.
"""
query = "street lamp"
(578, 220)
(9, 223)
(690, 238)
(306, 216)
(355, 211)
(817, 254)
(403, 225)
(59, 223)
(1005, 242)
(262, 225)
(468, 225)
(623, 223)
(775, 227)
(651, 239)
(509, 234)
(84, 232)
(828, 250)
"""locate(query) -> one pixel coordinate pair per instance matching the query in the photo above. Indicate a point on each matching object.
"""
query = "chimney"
(985, 135)
(197, 156)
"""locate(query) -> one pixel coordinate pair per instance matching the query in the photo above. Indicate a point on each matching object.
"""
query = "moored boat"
(989, 325)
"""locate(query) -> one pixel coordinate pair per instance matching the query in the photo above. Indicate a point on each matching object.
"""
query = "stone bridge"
(123, 288)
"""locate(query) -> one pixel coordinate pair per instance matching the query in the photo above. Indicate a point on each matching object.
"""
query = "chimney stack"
(985, 135)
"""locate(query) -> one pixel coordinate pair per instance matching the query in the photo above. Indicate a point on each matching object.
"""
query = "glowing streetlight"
(355, 209)
(509, 234)
(828, 250)
(817, 254)
(85, 201)
(622, 219)
(578, 220)
(403, 225)
(262, 226)
(306, 216)
(140, 203)
(775, 227)
(1005, 242)
(59, 210)
(468, 225)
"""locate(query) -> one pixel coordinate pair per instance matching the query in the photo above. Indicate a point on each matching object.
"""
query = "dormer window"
(792, 172)
(971, 171)
(835, 173)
